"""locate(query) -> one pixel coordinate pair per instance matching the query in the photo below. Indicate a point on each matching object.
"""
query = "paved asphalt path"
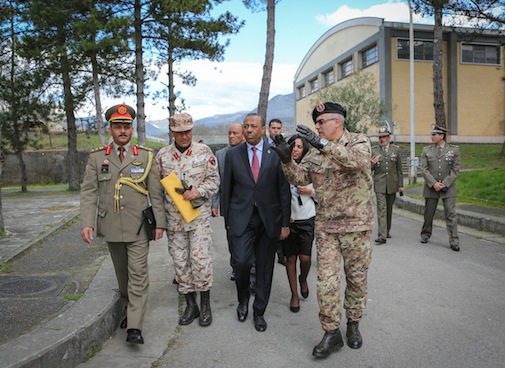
(427, 307)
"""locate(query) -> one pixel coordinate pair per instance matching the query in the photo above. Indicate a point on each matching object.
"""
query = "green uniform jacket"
(440, 165)
(387, 172)
(97, 195)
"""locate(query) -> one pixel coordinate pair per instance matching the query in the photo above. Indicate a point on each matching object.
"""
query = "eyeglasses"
(322, 121)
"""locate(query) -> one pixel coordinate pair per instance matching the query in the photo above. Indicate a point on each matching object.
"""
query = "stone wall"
(46, 167)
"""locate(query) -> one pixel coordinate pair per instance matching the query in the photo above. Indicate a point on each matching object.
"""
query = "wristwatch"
(323, 142)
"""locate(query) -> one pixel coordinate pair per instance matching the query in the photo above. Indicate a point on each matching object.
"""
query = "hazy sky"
(234, 85)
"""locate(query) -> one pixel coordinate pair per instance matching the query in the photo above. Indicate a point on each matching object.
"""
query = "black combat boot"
(354, 339)
(191, 311)
(205, 315)
(331, 342)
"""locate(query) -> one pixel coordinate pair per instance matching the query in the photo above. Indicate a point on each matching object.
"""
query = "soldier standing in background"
(190, 244)
(440, 165)
(388, 180)
(339, 169)
(119, 211)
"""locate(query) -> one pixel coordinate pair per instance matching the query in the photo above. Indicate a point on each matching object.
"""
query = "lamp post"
(413, 159)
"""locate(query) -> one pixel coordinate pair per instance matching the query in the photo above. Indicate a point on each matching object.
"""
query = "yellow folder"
(185, 208)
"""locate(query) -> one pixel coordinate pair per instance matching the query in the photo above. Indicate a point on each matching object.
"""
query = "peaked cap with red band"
(120, 114)
(328, 108)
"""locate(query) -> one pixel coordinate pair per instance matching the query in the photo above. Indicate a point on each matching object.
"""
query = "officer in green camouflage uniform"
(440, 165)
(387, 179)
(339, 169)
(190, 244)
(119, 209)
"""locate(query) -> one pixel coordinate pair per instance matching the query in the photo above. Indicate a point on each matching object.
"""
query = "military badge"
(137, 170)
(105, 169)
(212, 161)
(136, 163)
(105, 161)
(320, 107)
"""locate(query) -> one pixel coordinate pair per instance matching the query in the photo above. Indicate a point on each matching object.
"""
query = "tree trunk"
(73, 163)
(98, 102)
(503, 149)
(269, 61)
(139, 76)
(438, 89)
(22, 170)
(2, 223)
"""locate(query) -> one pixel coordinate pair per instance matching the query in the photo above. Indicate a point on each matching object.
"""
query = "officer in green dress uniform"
(388, 180)
(113, 194)
(440, 163)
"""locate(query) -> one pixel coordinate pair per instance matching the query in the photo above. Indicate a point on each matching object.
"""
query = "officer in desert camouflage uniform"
(190, 244)
(339, 169)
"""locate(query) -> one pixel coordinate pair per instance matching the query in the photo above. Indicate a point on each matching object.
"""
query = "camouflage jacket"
(198, 167)
(341, 176)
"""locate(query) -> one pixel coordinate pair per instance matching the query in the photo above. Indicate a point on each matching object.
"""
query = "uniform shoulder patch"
(101, 148)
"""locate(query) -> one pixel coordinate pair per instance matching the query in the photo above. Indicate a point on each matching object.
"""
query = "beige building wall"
(423, 93)
(481, 99)
(335, 45)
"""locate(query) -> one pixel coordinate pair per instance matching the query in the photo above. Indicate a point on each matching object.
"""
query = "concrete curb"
(40, 237)
(74, 335)
(465, 218)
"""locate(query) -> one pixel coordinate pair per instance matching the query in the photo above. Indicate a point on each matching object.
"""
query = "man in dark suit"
(235, 137)
(256, 205)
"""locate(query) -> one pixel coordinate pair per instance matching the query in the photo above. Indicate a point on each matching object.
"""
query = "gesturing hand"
(309, 135)
(282, 148)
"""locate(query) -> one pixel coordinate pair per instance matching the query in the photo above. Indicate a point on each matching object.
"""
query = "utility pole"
(414, 162)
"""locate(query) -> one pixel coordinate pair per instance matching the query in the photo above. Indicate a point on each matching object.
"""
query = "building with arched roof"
(473, 76)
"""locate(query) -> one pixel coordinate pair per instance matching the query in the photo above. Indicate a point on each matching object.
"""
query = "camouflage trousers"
(191, 252)
(355, 250)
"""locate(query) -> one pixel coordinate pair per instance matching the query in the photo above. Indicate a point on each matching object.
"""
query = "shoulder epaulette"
(145, 148)
(453, 145)
(101, 148)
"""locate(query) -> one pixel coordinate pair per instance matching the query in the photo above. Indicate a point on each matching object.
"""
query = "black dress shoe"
(294, 309)
(331, 342)
(305, 294)
(260, 324)
(380, 241)
(242, 311)
(388, 236)
(455, 247)
(424, 240)
(134, 336)
(232, 276)
(124, 323)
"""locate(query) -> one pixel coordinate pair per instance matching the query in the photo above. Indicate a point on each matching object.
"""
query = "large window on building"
(480, 54)
(346, 68)
(369, 56)
(329, 77)
(423, 50)
(302, 93)
(314, 85)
